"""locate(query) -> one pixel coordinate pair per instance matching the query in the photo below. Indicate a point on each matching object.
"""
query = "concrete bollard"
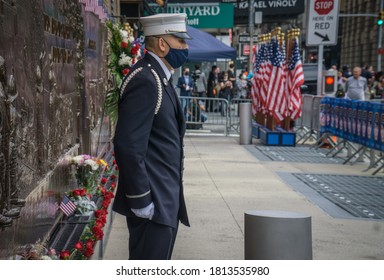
(277, 235)
(245, 123)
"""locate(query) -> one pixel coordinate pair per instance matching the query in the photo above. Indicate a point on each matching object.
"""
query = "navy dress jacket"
(148, 145)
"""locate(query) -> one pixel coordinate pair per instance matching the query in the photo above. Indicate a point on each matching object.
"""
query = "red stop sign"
(323, 7)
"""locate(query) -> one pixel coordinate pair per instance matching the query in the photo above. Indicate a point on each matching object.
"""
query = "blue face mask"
(176, 57)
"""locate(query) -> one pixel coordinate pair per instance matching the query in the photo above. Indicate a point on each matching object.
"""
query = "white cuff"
(146, 212)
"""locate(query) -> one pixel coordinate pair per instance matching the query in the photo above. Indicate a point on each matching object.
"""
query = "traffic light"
(380, 19)
(329, 82)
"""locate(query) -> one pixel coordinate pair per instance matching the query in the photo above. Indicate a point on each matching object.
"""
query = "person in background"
(346, 71)
(242, 86)
(367, 72)
(185, 84)
(340, 93)
(211, 85)
(377, 89)
(356, 87)
(232, 77)
(148, 142)
(333, 67)
(249, 83)
(225, 93)
(200, 81)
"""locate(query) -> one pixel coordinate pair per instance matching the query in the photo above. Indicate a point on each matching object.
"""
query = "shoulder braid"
(158, 84)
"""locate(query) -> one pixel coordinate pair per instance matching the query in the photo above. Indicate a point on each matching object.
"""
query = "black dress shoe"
(5, 221)
(18, 202)
(12, 213)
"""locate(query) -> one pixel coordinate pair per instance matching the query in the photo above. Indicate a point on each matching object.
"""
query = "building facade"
(359, 33)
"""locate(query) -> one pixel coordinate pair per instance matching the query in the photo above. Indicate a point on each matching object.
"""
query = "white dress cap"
(164, 24)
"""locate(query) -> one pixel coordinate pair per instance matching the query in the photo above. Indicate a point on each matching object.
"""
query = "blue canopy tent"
(205, 47)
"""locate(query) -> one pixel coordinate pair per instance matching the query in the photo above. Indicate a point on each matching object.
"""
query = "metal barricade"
(304, 123)
(205, 115)
(316, 115)
(217, 116)
(310, 118)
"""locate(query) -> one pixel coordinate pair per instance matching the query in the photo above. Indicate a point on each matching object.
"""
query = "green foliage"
(124, 52)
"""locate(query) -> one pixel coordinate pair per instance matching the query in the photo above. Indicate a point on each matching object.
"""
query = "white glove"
(146, 212)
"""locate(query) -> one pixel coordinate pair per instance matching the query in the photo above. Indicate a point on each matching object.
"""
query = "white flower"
(125, 60)
(79, 160)
(124, 34)
(93, 164)
(131, 39)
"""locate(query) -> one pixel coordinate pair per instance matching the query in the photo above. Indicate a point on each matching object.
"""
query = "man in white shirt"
(356, 86)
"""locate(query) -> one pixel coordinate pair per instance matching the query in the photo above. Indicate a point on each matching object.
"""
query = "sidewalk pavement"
(223, 180)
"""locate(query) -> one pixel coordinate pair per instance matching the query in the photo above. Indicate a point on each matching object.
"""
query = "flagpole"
(288, 48)
(320, 70)
(251, 31)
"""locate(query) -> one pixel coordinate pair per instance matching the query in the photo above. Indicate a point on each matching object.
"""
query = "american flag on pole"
(67, 206)
(295, 80)
(276, 102)
(286, 103)
(265, 72)
(254, 89)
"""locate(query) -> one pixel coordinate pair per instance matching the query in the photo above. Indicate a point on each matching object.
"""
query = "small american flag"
(67, 206)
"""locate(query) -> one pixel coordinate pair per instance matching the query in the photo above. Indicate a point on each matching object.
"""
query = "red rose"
(106, 203)
(109, 195)
(113, 185)
(64, 255)
(113, 177)
(114, 162)
(83, 192)
(134, 51)
(125, 71)
(97, 232)
(76, 192)
(89, 244)
(104, 180)
(100, 213)
(88, 252)
(99, 224)
(79, 245)
(124, 44)
(102, 220)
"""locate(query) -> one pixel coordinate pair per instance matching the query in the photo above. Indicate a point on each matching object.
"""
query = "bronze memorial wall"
(53, 79)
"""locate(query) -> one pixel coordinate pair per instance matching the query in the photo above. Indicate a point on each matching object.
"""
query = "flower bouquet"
(87, 171)
(124, 52)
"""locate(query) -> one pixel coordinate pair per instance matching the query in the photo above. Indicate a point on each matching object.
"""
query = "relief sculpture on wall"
(10, 202)
(48, 108)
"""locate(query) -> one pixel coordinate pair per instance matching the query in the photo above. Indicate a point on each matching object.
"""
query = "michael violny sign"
(271, 7)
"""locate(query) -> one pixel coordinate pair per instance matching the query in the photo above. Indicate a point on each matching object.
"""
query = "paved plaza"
(224, 179)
